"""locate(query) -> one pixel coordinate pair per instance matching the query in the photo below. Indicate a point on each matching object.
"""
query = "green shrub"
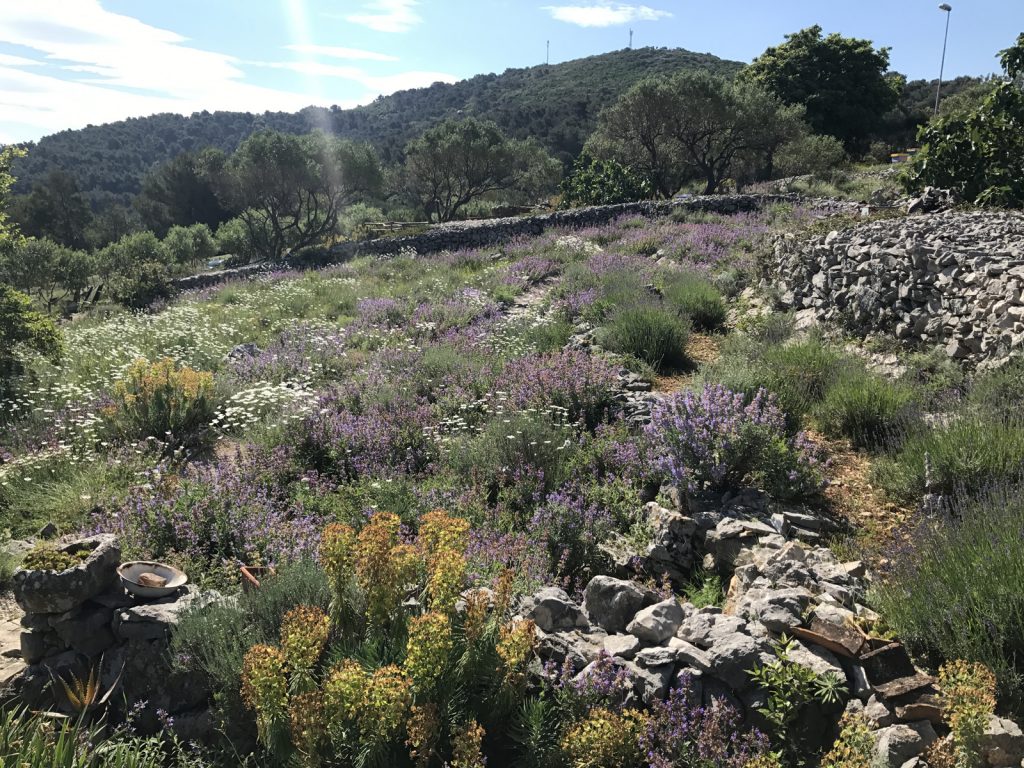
(161, 400)
(602, 182)
(958, 593)
(800, 375)
(999, 393)
(966, 456)
(978, 154)
(695, 297)
(651, 333)
(939, 380)
(22, 329)
(868, 409)
(810, 154)
(792, 687)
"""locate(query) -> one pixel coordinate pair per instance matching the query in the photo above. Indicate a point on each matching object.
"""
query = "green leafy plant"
(602, 182)
(45, 556)
(790, 688)
(979, 153)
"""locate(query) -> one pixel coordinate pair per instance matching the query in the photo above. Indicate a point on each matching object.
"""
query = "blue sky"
(68, 63)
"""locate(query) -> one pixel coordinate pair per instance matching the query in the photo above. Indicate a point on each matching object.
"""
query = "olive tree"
(459, 161)
(289, 190)
(693, 126)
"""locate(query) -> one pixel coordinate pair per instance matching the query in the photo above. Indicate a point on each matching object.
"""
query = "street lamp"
(938, 91)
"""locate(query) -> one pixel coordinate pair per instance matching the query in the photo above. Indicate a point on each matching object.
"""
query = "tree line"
(804, 106)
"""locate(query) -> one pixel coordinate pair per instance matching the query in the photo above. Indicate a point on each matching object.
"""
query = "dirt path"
(701, 349)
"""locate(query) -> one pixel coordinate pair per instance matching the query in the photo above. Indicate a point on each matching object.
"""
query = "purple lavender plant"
(712, 439)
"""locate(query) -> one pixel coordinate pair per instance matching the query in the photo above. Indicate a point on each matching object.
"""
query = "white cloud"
(6, 60)
(95, 66)
(604, 14)
(350, 54)
(387, 15)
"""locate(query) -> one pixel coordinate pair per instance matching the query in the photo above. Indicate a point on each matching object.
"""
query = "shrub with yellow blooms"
(428, 649)
(606, 739)
(265, 687)
(161, 400)
(467, 744)
(855, 747)
(968, 692)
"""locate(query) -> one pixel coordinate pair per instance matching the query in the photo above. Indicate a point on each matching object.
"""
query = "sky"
(70, 63)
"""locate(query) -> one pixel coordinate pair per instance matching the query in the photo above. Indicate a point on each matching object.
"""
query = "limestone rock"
(552, 610)
(657, 623)
(1002, 743)
(611, 603)
(896, 744)
(53, 592)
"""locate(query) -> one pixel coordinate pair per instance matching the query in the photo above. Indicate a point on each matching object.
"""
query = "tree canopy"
(459, 161)
(289, 190)
(840, 81)
(693, 125)
(56, 209)
(979, 152)
(180, 192)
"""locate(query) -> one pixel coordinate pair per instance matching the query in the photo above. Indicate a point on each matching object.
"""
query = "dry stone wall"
(953, 279)
(480, 234)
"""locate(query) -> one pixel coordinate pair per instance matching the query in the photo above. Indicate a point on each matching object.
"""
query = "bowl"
(130, 573)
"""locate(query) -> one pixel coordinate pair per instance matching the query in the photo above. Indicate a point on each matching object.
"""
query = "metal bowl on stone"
(143, 578)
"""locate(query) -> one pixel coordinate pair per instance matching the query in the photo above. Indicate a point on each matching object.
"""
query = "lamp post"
(938, 91)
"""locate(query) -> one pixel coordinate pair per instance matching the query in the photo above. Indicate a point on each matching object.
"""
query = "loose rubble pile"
(81, 620)
(778, 585)
(954, 279)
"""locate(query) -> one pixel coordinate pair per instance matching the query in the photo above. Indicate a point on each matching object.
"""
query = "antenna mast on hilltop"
(631, 39)
(547, 56)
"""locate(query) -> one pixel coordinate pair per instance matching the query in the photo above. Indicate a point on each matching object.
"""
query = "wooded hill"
(556, 104)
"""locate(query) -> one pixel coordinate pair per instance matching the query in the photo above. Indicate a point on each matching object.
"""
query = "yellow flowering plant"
(968, 691)
(605, 739)
(265, 688)
(162, 400)
(304, 633)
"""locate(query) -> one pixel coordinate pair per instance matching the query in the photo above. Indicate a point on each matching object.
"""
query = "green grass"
(64, 492)
(959, 592)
